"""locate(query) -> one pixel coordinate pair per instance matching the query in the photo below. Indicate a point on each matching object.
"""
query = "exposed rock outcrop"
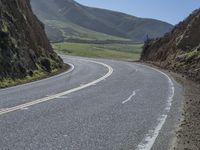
(178, 50)
(24, 46)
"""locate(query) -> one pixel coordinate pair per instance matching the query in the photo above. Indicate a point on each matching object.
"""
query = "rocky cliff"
(24, 46)
(178, 50)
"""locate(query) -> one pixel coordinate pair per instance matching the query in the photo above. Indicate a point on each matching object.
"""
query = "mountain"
(24, 47)
(178, 50)
(94, 19)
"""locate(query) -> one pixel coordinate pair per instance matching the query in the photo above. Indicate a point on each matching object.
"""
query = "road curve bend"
(100, 104)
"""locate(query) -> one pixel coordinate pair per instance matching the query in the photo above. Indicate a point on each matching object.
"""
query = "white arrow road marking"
(54, 97)
(130, 97)
(150, 138)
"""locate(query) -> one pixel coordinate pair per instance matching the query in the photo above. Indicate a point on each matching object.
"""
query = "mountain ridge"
(100, 20)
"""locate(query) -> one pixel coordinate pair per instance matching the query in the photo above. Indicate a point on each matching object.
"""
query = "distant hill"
(178, 50)
(77, 20)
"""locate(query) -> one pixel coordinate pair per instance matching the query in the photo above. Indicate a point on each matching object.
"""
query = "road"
(97, 105)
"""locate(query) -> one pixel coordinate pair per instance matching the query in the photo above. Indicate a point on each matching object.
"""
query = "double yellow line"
(53, 97)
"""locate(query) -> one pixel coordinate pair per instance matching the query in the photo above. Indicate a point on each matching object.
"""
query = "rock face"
(178, 50)
(24, 46)
(99, 20)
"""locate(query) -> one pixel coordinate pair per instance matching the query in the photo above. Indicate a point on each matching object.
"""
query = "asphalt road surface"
(97, 105)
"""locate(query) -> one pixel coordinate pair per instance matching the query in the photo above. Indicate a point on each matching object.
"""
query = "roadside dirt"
(188, 132)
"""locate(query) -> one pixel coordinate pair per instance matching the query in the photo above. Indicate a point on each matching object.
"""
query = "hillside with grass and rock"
(67, 19)
(24, 47)
(178, 50)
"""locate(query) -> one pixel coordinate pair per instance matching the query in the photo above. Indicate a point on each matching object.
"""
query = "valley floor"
(110, 51)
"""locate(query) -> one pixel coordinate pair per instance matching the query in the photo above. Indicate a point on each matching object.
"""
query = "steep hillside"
(65, 30)
(178, 50)
(24, 47)
(99, 20)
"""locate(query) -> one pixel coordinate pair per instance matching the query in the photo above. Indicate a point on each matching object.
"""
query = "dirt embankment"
(188, 132)
(178, 50)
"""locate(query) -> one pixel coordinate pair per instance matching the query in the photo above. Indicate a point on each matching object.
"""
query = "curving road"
(97, 105)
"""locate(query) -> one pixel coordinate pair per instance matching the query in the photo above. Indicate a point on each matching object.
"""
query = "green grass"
(12, 82)
(80, 32)
(37, 75)
(113, 51)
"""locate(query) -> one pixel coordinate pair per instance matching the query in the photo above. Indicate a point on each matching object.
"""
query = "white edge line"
(45, 99)
(150, 138)
(55, 76)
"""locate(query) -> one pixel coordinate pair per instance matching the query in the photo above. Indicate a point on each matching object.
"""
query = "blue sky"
(172, 11)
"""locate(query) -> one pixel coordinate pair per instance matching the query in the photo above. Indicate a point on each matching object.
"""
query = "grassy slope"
(37, 75)
(99, 20)
(114, 51)
(80, 32)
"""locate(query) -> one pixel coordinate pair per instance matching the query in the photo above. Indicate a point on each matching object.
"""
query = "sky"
(171, 11)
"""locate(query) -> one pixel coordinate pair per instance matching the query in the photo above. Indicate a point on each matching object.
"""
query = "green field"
(113, 51)
(70, 30)
(37, 75)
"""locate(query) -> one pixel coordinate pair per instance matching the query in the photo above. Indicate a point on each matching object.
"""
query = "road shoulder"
(188, 132)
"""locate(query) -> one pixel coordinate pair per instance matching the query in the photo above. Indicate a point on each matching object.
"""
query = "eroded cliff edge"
(24, 47)
(178, 50)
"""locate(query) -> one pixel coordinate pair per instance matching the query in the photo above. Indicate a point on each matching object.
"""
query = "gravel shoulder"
(188, 131)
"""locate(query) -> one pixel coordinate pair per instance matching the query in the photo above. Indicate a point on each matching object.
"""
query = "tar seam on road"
(54, 97)
(150, 138)
(130, 97)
